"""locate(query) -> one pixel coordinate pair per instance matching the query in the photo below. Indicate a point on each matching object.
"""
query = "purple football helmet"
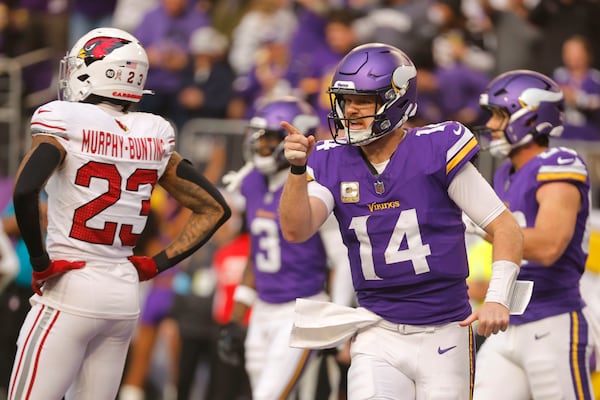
(534, 104)
(373, 69)
(266, 124)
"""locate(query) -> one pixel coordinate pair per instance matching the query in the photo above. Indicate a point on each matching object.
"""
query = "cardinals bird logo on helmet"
(99, 47)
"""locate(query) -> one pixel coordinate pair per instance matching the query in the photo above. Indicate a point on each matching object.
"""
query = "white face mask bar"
(67, 65)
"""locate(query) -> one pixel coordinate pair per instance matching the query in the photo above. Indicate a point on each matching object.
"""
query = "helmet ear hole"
(83, 77)
(531, 121)
(402, 104)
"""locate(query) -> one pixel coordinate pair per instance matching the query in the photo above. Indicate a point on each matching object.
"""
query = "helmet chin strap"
(503, 148)
(499, 148)
(363, 136)
(367, 133)
(265, 164)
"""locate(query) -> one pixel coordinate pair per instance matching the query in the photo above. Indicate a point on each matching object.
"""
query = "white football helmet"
(107, 62)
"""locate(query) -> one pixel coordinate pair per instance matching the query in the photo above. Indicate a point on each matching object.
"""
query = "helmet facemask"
(67, 68)
(265, 150)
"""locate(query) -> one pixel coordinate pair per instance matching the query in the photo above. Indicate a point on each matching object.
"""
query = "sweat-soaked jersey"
(556, 288)
(404, 234)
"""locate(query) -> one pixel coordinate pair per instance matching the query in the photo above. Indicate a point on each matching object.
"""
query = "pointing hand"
(296, 146)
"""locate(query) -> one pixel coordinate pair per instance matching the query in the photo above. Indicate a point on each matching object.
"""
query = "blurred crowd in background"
(218, 59)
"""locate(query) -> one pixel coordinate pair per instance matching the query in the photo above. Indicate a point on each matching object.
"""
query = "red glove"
(145, 266)
(56, 267)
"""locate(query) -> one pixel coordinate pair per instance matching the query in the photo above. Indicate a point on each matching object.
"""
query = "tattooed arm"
(209, 210)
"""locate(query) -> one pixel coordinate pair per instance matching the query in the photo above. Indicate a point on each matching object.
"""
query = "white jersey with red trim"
(99, 200)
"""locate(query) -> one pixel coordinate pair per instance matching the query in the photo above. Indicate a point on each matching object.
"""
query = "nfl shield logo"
(379, 188)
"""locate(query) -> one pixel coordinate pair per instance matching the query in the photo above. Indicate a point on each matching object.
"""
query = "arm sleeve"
(474, 195)
(315, 189)
(38, 168)
(342, 290)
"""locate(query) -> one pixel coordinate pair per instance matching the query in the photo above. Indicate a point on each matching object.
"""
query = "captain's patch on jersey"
(349, 192)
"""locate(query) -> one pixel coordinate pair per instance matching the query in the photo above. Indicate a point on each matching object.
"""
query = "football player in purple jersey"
(99, 164)
(544, 352)
(398, 194)
(278, 272)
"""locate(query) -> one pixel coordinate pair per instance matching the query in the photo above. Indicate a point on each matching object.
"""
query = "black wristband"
(298, 170)
(162, 261)
(40, 263)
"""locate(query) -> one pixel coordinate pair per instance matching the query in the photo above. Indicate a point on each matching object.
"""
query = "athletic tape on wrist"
(502, 282)
(294, 154)
(245, 295)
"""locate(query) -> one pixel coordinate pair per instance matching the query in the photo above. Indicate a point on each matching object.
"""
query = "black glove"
(230, 346)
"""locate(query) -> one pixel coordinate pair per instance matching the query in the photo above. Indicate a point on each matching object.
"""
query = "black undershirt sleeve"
(186, 171)
(26, 199)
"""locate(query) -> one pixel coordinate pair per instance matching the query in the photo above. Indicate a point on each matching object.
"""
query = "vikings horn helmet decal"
(534, 106)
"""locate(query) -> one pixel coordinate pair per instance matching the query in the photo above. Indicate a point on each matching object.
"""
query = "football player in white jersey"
(99, 163)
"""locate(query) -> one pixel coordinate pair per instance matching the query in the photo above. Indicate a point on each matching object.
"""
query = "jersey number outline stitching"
(110, 173)
(407, 226)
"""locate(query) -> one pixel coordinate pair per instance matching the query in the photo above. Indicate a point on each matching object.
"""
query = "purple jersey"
(283, 271)
(404, 234)
(556, 288)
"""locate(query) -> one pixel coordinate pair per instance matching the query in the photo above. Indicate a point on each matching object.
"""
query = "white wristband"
(245, 295)
(502, 282)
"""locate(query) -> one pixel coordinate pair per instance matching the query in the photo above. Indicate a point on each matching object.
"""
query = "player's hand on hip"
(493, 318)
(296, 146)
(56, 267)
(230, 345)
(145, 266)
